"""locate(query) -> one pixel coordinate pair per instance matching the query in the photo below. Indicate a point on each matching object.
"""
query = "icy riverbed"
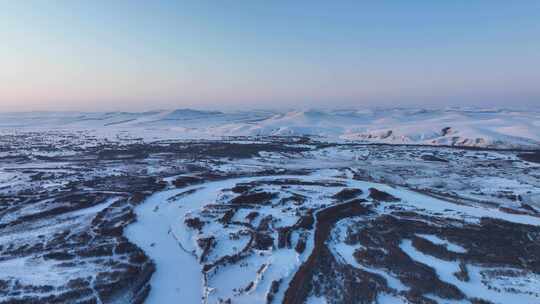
(160, 231)
(178, 274)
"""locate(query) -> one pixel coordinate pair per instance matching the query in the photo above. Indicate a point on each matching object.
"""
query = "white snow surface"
(160, 231)
(178, 274)
(451, 126)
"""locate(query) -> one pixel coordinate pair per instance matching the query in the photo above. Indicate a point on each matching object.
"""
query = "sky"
(70, 55)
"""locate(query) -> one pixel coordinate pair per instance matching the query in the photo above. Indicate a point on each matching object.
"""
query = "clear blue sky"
(138, 55)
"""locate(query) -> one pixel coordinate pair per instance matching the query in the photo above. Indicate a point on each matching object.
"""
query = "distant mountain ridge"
(497, 128)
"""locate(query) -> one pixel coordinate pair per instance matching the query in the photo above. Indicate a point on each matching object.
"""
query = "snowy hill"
(454, 127)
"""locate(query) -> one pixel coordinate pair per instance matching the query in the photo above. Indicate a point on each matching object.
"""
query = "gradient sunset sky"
(141, 55)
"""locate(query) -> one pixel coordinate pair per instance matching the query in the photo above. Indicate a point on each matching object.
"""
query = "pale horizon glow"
(144, 55)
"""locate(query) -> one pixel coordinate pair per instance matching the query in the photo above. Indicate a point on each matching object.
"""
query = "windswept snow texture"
(494, 128)
(107, 217)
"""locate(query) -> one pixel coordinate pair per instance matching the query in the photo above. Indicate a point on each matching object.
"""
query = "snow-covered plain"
(452, 126)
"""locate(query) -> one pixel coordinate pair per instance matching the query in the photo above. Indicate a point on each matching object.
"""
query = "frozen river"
(178, 274)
